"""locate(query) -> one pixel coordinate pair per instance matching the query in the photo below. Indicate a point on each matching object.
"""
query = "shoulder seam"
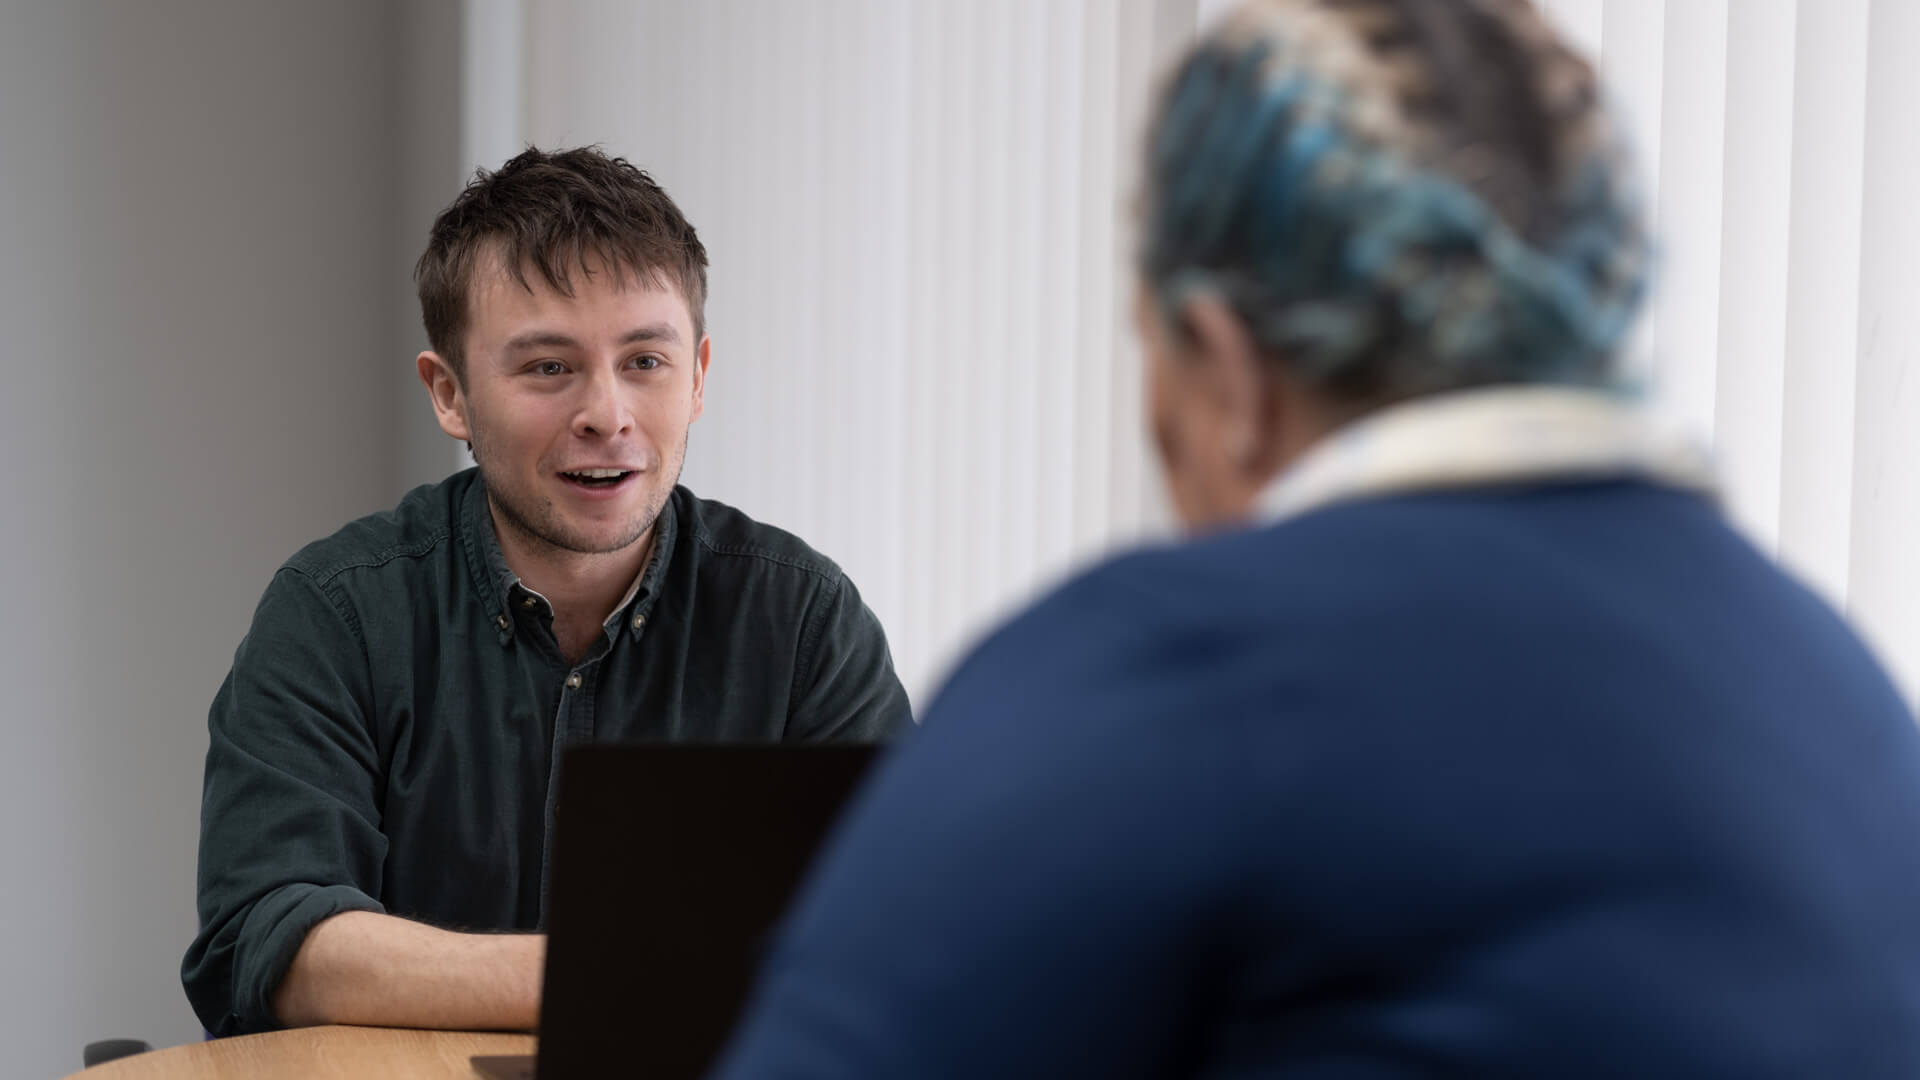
(825, 572)
(381, 558)
(341, 606)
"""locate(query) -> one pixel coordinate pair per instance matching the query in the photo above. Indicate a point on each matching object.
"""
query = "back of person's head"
(1397, 197)
(556, 213)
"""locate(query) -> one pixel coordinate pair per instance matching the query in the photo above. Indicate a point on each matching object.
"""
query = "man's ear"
(443, 387)
(702, 356)
(1228, 365)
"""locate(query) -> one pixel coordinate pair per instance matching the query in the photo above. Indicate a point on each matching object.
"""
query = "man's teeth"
(599, 474)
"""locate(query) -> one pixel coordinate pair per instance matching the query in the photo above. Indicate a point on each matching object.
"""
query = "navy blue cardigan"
(1557, 782)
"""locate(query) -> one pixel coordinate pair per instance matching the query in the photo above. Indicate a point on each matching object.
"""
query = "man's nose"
(603, 410)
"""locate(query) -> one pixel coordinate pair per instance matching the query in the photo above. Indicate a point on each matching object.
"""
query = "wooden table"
(319, 1053)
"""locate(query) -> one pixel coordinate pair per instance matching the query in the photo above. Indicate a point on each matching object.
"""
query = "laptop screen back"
(671, 865)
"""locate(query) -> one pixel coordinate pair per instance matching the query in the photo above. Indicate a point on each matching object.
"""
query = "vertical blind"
(917, 212)
(1782, 165)
(919, 297)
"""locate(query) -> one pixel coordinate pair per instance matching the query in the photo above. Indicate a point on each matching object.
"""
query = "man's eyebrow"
(541, 339)
(661, 332)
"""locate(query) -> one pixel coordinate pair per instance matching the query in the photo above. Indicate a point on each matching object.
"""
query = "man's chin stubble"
(548, 535)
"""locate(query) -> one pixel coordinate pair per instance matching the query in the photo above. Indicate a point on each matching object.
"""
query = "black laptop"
(671, 865)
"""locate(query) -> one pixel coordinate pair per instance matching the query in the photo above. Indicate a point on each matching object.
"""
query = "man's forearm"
(359, 967)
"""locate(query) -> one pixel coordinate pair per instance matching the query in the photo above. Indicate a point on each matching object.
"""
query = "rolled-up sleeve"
(290, 811)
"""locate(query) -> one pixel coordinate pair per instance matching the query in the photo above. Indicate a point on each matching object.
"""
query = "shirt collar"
(509, 591)
(1484, 438)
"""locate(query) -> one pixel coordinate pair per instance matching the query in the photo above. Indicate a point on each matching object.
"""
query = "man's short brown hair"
(554, 212)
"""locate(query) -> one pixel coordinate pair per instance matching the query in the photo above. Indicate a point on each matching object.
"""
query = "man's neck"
(583, 589)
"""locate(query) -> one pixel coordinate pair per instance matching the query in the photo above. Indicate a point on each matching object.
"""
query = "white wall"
(201, 310)
(432, 165)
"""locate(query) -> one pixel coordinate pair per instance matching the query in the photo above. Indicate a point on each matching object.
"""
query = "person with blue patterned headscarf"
(1463, 736)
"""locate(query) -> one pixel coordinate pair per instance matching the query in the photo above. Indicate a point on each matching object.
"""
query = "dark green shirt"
(387, 738)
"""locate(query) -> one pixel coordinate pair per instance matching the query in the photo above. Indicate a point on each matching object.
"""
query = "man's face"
(578, 407)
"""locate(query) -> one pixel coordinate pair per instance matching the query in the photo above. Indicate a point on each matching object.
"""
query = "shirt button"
(502, 622)
(573, 681)
(639, 621)
(528, 602)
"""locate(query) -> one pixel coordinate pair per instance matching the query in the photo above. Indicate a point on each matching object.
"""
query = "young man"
(1467, 740)
(380, 777)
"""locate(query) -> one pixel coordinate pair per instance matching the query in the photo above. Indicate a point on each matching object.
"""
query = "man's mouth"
(597, 478)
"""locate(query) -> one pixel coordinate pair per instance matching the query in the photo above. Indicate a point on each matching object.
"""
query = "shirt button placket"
(579, 719)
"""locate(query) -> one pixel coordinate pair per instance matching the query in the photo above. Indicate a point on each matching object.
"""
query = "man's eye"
(550, 367)
(647, 362)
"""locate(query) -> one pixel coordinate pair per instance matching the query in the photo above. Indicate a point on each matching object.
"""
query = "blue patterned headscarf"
(1329, 169)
